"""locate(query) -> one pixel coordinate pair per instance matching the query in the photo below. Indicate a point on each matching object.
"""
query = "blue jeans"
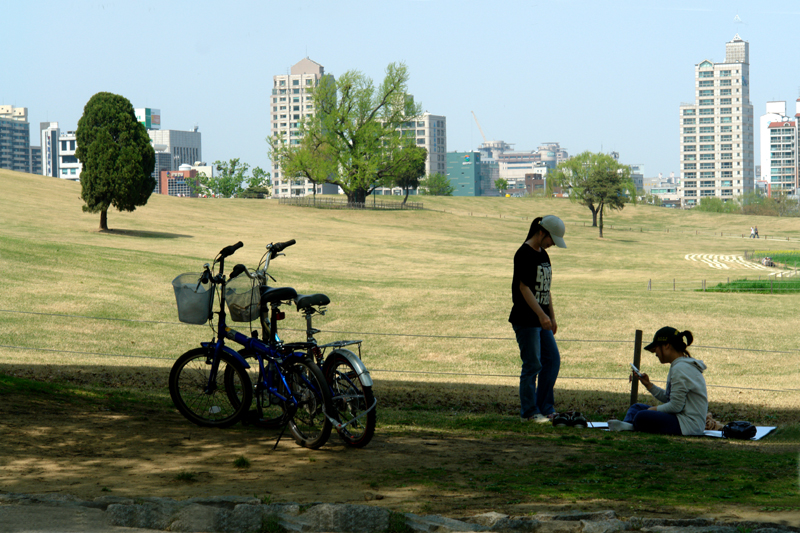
(652, 421)
(540, 357)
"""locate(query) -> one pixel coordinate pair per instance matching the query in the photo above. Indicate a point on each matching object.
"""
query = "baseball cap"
(555, 227)
(662, 336)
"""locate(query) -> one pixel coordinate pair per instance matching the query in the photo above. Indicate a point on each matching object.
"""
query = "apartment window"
(296, 108)
(296, 117)
(283, 108)
(706, 165)
(274, 117)
(724, 92)
(283, 83)
(725, 111)
(707, 129)
(420, 141)
(724, 83)
(724, 129)
(706, 138)
(706, 120)
(706, 92)
(724, 73)
(690, 139)
(706, 147)
(726, 147)
(724, 101)
(688, 112)
(283, 117)
(690, 166)
(706, 101)
(689, 157)
(706, 74)
(726, 156)
(725, 120)
(295, 91)
(727, 173)
(689, 130)
(726, 192)
(689, 148)
(690, 193)
(690, 183)
(308, 82)
(706, 183)
(726, 165)
(707, 111)
(689, 120)
(274, 100)
(707, 83)
(724, 137)
(295, 82)
(295, 99)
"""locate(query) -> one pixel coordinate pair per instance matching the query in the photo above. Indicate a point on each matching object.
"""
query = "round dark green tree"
(117, 158)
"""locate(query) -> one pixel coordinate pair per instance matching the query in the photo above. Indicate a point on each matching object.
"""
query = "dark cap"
(662, 336)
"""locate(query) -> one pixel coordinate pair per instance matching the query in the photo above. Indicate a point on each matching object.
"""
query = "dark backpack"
(739, 430)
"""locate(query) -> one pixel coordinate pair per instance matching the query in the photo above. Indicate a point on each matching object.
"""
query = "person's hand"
(555, 326)
(545, 321)
(645, 380)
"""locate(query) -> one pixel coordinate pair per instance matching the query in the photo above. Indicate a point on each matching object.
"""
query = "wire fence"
(772, 284)
(336, 203)
(636, 342)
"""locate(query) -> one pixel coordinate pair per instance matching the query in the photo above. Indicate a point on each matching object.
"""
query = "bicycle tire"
(350, 399)
(309, 424)
(270, 411)
(188, 387)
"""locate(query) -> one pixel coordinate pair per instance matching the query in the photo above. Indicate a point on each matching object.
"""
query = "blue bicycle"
(211, 385)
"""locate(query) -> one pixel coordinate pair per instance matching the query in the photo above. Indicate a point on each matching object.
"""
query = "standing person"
(533, 319)
(752, 232)
(685, 399)
(755, 228)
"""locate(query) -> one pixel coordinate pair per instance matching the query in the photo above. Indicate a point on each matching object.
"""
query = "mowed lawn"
(428, 291)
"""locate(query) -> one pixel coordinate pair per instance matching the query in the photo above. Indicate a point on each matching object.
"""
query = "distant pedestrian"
(756, 230)
(752, 232)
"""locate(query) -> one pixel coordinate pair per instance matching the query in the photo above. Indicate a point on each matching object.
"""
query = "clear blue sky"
(591, 75)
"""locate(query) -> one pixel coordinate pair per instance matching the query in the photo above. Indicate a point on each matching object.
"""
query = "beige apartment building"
(716, 132)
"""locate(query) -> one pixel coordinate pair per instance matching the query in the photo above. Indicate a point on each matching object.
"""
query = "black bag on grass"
(739, 430)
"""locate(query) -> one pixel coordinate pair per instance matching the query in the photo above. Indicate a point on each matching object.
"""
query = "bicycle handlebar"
(278, 247)
(230, 250)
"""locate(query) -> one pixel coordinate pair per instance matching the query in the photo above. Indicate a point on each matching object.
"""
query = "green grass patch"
(763, 286)
(789, 258)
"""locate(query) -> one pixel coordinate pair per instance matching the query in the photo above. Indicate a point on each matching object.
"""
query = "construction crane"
(479, 126)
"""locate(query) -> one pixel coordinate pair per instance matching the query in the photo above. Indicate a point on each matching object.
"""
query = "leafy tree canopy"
(115, 153)
(409, 168)
(597, 181)
(436, 185)
(232, 179)
(502, 185)
(353, 138)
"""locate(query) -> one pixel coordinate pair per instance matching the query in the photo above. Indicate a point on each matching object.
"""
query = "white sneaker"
(619, 425)
(538, 418)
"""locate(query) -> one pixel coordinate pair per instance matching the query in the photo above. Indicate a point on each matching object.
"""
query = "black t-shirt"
(533, 269)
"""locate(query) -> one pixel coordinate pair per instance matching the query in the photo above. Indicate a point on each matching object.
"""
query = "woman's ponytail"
(536, 227)
(679, 344)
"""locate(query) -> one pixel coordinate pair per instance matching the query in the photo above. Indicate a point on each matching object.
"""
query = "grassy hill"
(428, 291)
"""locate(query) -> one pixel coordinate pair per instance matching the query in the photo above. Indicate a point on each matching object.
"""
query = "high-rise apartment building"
(290, 104)
(716, 132)
(49, 132)
(184, 147)
(15, 138)
(69, 166)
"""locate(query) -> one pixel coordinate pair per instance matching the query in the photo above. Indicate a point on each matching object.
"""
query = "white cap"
(555, 227)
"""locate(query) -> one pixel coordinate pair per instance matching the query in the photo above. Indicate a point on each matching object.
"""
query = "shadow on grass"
(145, 234)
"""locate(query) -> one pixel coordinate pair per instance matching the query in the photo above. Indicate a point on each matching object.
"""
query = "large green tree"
(354, 133)
(115, 153)
(597, 181)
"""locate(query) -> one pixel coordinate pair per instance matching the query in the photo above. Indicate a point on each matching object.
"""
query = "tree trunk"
(406, 197)
(601, 219)
(104, 220)
(594, 215)
(357, 196)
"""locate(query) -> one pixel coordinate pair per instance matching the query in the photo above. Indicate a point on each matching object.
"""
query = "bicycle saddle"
(277, 294)
(310, 300)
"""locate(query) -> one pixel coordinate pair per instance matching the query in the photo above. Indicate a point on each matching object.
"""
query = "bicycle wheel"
(220, 403)
(269, 411)
(309, 425)
(351, 398)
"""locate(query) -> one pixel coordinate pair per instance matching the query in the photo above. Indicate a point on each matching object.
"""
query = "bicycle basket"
(243, 299)
(194, 303)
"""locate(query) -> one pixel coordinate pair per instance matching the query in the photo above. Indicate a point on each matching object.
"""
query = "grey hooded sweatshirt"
(685, 395)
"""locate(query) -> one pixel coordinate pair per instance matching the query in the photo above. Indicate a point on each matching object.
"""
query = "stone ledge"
(241, 514)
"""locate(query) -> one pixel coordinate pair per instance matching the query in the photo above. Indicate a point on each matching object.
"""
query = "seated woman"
(685, 398)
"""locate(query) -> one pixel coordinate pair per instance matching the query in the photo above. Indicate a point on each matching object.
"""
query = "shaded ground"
(96, 446)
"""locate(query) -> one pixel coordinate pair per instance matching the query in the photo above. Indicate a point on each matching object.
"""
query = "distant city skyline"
(590, 76)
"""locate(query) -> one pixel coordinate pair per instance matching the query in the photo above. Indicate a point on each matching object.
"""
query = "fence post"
(650, 283)
(673, 284)
(637, 358)
(770, 284)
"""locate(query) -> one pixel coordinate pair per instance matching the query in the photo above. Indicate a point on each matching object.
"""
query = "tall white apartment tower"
(716, 132)
(290, 104)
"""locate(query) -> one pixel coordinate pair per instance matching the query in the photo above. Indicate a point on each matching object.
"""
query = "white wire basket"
(243, 298)
(194, 299)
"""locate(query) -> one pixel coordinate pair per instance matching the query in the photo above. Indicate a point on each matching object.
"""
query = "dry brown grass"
(440, 272)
